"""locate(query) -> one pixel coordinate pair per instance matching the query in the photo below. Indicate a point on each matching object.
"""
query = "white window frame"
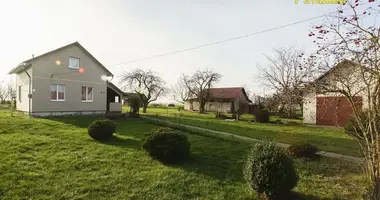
(71, 67)
(64, 92)
(92, 94)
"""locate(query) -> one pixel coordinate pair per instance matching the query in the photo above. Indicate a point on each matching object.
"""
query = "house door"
(335, 111)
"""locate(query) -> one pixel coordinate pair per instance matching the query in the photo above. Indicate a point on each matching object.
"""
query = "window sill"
(87, 101)
(57, 100)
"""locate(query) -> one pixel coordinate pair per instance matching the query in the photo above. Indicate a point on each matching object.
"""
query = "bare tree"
(271, 102)
(350, 34)
(11, 90)
(248, 92)
(3, 91)
(180, 92)
(199, 85)
(146, 83)
(287, 73)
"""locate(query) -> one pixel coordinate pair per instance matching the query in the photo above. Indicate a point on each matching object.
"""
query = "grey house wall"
(46, 72)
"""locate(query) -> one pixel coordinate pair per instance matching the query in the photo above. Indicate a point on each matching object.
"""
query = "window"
(87, 94)
(57, 92)
(19, 93)
(73, 63)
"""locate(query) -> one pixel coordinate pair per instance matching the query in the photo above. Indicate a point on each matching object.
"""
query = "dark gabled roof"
(115, 88)
(227, 94)
(21, 67)
(124, 95)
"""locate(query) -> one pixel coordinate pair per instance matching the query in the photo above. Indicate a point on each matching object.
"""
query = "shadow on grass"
(78, 121)
(122, 142)
(220, 159)
(85, 121)
(298, 196)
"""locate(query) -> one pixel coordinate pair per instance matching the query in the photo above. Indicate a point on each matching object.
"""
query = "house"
(323, 107)
(226, 100)
(65, 81)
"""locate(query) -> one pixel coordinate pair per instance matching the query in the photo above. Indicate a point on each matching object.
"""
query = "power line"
(218, 42)
(226, 40)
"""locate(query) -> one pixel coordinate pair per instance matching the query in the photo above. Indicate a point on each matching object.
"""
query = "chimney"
(32, 55)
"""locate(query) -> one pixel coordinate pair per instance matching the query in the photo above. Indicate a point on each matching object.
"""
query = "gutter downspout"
(30, 88)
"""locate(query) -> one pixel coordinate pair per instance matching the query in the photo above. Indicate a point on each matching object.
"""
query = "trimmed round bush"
(304, 150)
(101, 129)
(269, 171)
(166, 145)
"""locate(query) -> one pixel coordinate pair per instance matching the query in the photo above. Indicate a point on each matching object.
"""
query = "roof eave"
(19, 68)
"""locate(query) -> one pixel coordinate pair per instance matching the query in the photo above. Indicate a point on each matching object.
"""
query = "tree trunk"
(202, 106)
(375, 191)
(145, 105)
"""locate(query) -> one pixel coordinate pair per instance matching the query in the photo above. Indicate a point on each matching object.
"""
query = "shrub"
(171, 105)
(262, 116)
(133, 115)
(180, 106)
(278, 121)
(304, 150)
(101, 129)
(269, 171)
(219, 115)
(352, 127)
(166, 145)
(154, 105)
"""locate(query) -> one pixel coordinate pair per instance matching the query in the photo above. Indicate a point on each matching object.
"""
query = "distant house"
(330, 108)
(65, 81)
(226, 100)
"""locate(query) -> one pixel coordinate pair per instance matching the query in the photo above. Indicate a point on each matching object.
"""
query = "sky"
(117, 31)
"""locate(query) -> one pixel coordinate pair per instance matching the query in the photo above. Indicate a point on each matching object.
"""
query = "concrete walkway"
(248, 139)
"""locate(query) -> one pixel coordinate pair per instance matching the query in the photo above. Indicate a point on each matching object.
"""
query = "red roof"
(225, 93)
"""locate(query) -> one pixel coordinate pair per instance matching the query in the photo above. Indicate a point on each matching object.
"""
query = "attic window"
(73, 63)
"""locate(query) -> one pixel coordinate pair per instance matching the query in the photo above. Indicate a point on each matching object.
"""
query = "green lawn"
(325, 138)
(55, 159)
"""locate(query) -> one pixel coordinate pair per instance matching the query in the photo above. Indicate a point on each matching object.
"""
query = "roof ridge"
(62, 47)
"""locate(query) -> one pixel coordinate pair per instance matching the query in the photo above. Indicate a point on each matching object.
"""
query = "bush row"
(268, 170)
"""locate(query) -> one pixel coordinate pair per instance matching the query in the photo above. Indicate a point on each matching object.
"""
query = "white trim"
(72, 57)
(64, 92)
(92, 94)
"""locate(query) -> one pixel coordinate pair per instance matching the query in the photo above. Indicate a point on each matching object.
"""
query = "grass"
(331, 139)
(55, 159)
